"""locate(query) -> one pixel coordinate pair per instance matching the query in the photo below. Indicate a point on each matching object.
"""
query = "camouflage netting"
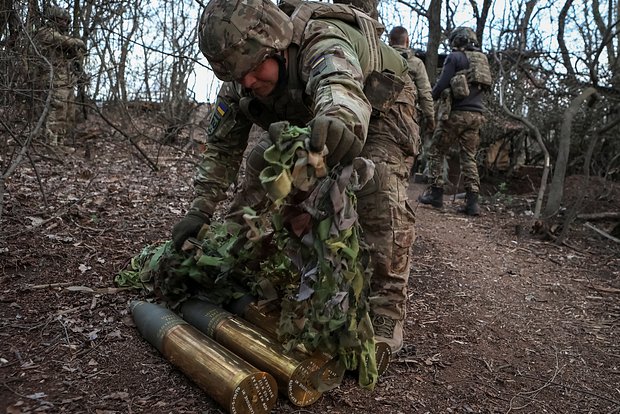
(302, 250)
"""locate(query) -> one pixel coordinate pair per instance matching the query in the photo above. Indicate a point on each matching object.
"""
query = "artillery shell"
(293, 370)
(232, 382)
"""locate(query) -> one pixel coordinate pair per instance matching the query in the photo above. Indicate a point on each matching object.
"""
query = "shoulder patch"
(318, 65)
(218, 114)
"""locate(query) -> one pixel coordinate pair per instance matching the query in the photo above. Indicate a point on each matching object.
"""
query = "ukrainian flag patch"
(222, 108)
(217, 115)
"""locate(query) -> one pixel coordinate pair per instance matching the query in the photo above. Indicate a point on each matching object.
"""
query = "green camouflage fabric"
(307, 255)
(332, 66)
(462, 127)
(64, 53)
(417, 71)
(236, 37)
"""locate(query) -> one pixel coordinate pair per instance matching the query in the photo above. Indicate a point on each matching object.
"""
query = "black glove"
(188, 227)
(343, 145)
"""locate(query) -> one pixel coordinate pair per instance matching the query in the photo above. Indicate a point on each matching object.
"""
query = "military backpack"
(478, 73)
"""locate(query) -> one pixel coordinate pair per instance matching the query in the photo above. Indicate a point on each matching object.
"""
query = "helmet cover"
(238, 35)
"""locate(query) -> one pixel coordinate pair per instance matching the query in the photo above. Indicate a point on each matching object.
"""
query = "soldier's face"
(63, 24)
(263, 79)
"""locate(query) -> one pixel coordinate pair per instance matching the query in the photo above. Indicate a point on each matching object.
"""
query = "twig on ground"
(534, 392)
(50, 285)
(602, 233)
(568, 387)
(609, 215)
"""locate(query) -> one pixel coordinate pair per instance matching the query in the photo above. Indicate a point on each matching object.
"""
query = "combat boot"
(388, 330)
(471, 207)
(434, 197)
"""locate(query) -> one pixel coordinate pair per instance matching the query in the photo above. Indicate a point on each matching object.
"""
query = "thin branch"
(129, 138)
(602, 233)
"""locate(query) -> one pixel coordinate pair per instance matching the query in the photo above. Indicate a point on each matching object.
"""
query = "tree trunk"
(556, 190)
(434, 40)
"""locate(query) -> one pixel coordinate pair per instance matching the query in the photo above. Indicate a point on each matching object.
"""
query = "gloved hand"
(343, 145)
(188, 227)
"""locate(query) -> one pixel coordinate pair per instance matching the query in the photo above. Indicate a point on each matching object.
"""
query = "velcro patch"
(220, 111)
(318, 65)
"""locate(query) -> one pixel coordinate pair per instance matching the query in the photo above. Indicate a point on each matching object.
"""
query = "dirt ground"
(499, 320)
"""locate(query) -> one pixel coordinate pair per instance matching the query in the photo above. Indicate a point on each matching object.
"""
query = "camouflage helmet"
(56, 13)
(463, 35)
(238, 35)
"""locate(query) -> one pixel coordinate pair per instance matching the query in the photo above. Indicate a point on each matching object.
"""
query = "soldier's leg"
(388, 225)
(434, 153)
(438, 170)
(53, 123)
(71, 116)
(443, 138)
(54, 126)
(385, 217)
(57, 117)
(469, 141)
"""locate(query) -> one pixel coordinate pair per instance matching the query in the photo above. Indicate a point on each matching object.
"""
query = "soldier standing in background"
(399, 40)
(464, 77)
(65, 54)
(313, 69)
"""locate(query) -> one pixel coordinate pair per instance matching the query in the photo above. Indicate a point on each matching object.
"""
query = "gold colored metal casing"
(331, 372)
(229, 380)
(293, 370)
(235, 384)
(383, 357)
(267, 321)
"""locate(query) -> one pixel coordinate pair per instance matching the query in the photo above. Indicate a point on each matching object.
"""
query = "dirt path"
(498, 323)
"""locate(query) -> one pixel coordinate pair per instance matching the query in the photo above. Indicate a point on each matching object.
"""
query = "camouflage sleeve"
(51, 37)
(334, 76)
(227, 137)
(423, 85)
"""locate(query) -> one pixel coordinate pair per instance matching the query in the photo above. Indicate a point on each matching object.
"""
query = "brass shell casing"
(331, 372)
(235, 384)
(268, 321)
(383, 356)
(294, 371)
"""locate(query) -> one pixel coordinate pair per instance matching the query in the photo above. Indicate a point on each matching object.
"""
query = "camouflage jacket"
(417, 71)
(62, 51)
(326, 73)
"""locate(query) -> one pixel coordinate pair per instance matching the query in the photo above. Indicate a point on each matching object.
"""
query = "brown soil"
(500, 320)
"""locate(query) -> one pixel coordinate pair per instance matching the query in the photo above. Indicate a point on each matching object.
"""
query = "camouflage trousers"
(388, 224)
(462, 127)
(382, 205)
(60, 116)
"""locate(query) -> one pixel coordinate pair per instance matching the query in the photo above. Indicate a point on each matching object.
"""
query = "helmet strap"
(282, 72)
